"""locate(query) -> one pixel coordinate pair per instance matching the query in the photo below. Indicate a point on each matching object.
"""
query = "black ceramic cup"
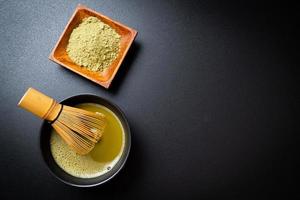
(60, 173)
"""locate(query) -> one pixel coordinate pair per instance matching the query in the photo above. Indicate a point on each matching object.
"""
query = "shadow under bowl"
(63, 176)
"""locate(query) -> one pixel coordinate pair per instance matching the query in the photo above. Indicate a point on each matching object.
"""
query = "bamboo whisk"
(80, 129)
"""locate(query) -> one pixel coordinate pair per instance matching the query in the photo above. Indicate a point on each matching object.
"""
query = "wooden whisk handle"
(40, 105)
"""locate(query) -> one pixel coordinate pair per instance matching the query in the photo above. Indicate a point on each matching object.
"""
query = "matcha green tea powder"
(93, 44)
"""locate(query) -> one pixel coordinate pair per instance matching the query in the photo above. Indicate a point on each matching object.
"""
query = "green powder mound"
(93, 44)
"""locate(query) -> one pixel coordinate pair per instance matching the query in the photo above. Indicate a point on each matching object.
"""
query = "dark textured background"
(209, 89)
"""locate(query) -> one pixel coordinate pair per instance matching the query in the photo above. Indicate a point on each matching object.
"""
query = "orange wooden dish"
(60, 56)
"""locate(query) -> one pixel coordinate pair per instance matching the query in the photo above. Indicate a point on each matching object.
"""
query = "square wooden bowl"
(60, 56)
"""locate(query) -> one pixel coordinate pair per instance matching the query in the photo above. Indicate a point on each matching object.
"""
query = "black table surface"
(209, 89)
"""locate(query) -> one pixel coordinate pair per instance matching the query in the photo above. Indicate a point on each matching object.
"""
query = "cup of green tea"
(103, 162)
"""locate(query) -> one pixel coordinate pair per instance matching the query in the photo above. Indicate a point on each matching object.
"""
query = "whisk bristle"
(81, 129)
